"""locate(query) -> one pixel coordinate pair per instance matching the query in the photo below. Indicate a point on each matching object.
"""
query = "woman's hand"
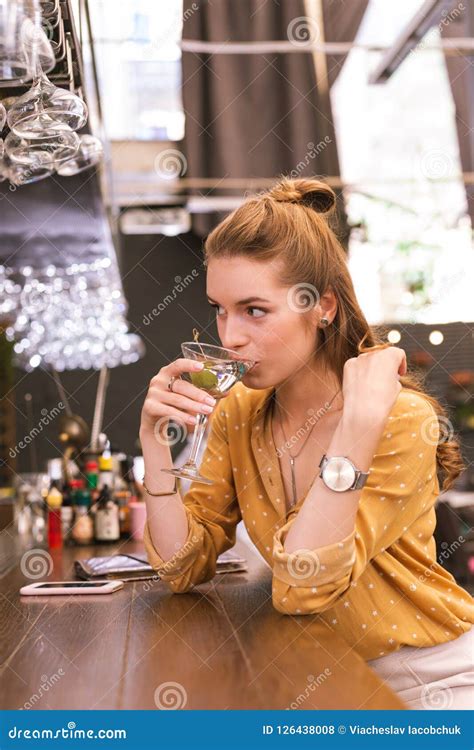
(181, 404)
(371, 385)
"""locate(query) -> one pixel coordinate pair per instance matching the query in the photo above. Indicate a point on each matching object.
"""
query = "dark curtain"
(257, 115)
(461, 77)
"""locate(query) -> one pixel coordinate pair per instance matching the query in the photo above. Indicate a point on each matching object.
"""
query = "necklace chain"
(311, 430)
(292, 458)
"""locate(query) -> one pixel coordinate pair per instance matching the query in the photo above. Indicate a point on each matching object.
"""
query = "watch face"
(339, 474)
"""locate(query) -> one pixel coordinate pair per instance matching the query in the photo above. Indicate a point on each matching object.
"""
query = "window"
(139, 65)
(413, 262)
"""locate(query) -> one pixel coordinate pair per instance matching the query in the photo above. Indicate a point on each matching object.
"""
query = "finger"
(176, 415)
(187, 404)
(193, 392)
(401, 359)
(402, 370)
(156, 413)
(182, 365)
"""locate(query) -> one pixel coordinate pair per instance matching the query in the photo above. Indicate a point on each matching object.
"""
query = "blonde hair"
(291, 224)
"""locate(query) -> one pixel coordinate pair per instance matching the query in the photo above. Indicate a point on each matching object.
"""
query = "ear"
(327, 307)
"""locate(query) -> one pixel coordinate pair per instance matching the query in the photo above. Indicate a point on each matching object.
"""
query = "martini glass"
(223, 368)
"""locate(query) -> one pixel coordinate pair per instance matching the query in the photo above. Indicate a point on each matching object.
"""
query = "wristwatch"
(339, 474)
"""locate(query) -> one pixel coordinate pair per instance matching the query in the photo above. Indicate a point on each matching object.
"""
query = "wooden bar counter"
(221, 646)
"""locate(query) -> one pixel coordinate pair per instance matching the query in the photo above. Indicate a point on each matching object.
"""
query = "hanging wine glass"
(3, 117)
(89, 154)
(24, 174)
(49, 8)
(3, 165)
(49, 150)
(23, 43)
(37, 47)
(46, 110)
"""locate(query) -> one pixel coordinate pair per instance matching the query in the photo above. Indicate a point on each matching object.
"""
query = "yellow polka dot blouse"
(381, 587)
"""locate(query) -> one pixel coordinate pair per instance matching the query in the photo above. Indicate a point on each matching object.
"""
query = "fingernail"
(210, 400)
(199, 365)
(207, 408)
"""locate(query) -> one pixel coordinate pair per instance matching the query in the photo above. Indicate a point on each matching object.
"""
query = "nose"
(232, 335)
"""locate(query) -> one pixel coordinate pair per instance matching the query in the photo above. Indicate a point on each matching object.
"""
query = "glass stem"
(197, 437)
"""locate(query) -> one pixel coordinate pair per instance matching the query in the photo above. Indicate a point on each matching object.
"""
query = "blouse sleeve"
(212, 513)
(401, 487)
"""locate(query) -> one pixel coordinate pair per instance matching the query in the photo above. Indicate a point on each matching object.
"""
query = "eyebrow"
(243, 301)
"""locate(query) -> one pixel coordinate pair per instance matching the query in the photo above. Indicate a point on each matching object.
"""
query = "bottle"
(54, 501)
(107, 524)
(91, 471)
(106, 474)
(125, 494)
(67, 513)
(82, 531)
(123, 499)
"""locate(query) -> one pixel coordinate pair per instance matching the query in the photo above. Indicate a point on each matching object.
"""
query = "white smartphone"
(53, 588)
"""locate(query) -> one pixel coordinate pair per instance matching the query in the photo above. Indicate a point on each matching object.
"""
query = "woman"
(327, 450)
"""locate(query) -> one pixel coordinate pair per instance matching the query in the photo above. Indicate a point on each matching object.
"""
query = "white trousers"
(436, 677)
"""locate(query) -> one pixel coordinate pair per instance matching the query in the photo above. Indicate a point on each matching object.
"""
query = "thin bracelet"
(158, 494)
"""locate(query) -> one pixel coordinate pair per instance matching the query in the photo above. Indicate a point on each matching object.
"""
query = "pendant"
(293, 479)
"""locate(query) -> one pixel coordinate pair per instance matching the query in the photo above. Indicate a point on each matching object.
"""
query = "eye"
(216, 307)
(259, 310)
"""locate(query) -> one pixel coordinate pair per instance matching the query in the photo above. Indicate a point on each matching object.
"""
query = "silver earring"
(324, 322)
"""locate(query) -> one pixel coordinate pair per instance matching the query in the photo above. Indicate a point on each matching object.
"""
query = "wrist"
(357, 439)
(146, 431)
(361, 422)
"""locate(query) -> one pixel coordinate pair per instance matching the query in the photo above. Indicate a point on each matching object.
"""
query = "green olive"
(204, 379)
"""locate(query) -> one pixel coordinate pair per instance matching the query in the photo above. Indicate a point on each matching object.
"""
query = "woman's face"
(261, 319)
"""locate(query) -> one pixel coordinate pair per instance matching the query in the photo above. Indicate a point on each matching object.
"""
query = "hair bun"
(311, 193)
